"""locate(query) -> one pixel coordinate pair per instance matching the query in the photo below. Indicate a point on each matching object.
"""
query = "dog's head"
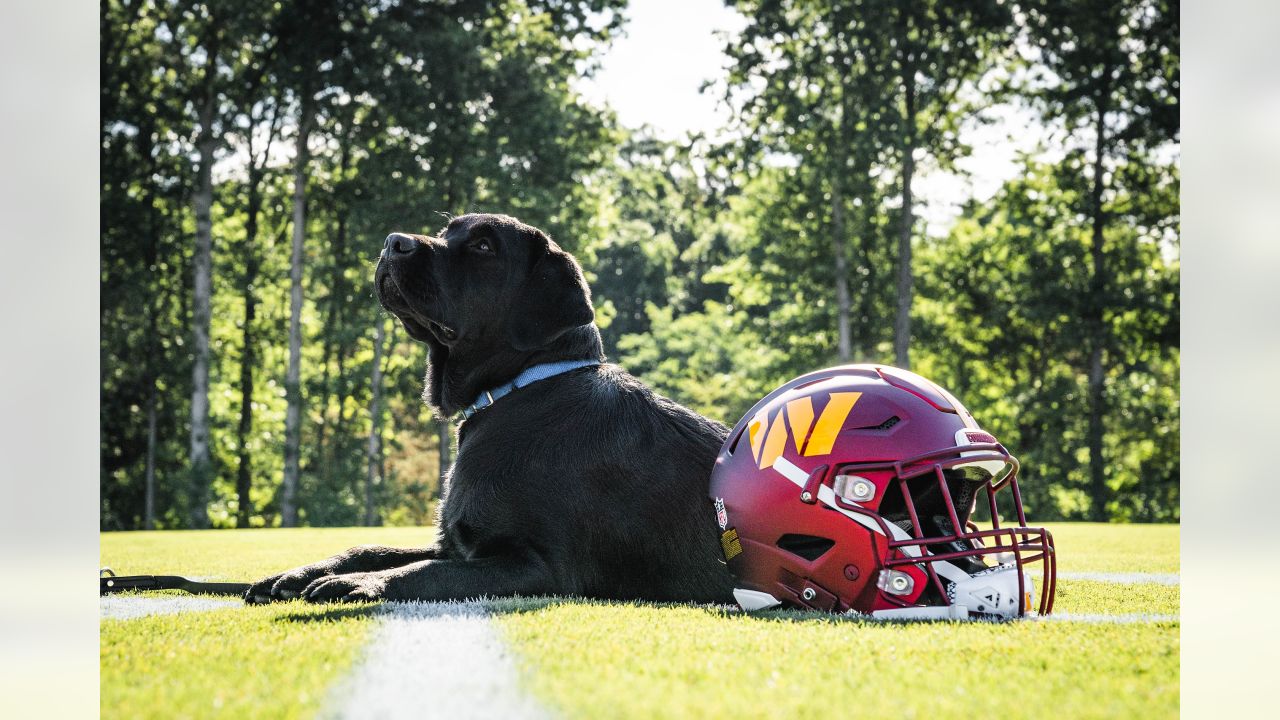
(489, 296)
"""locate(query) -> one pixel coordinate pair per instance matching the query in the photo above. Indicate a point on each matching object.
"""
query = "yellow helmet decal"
(767, 447)
(800, 417)
(756, 430)
(774, 443)
(833, 415)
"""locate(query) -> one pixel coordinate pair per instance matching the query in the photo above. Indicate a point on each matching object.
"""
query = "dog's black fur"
(586, 483)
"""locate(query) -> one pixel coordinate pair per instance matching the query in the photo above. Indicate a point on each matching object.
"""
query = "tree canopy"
(253, 156)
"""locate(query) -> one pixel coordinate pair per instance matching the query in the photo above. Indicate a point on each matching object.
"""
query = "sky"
(652, 76)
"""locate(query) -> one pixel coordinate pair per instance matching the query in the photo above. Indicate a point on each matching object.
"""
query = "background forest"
(254, 155)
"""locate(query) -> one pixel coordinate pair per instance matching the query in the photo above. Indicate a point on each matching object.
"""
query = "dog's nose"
(400, 244)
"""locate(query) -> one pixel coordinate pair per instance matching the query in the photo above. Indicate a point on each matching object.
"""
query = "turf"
(1098, 547)
(645, 662)
(596, 660)
(1086, 597)
(241, 555)
(244, 662)
(274, 661)
(593, 659)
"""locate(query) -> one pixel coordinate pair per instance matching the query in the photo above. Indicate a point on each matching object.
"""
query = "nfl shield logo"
(721, 515)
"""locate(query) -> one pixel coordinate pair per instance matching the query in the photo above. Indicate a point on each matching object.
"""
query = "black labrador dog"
(581, 483)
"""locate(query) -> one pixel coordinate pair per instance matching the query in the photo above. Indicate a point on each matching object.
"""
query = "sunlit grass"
(623, 661)
(241, 555)
(595, 659)
(273, 661)
(1102, 547)
(643, 661)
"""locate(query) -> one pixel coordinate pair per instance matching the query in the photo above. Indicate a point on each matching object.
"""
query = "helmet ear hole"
(733, 446)
(964, 484)
(893, 507)
(808, 547)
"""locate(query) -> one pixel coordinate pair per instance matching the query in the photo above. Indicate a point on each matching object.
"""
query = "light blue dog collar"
(528, 377)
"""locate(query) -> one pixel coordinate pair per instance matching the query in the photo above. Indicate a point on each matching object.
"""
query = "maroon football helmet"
(854, 489)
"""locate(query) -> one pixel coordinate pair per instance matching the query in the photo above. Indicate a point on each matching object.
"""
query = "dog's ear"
(554, 300)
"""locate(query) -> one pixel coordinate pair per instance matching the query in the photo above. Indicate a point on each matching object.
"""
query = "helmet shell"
(802, 480)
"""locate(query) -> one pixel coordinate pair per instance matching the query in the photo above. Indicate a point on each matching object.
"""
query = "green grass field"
(593, 659)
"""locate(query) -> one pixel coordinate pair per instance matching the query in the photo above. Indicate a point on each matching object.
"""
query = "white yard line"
(429, 660)
(129, 607)
(1124, 578)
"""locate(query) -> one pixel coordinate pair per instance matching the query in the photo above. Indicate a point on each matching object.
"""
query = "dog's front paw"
(354, 587)
(259, 593)
(286, 585)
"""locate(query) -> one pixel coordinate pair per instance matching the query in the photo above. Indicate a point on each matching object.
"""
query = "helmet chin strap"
(994, 592)
(950, 571)
(990, 594)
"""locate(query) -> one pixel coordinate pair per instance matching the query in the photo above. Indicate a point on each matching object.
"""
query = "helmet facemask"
(927, 509)
(964, 485)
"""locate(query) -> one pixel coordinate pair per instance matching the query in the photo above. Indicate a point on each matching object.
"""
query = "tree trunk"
(320, 453)
(326, 453)
(375, 424)
(202, 295)
(244, 471)
(1097, 329)
(343, 391)
(146, 139)
(149, 498)
(902, 323)
(248, 355)
(839, 227)
(338, 293)
(293, 379)
(845, 347)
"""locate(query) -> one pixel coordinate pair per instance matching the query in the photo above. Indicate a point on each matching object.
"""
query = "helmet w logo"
(768, 440)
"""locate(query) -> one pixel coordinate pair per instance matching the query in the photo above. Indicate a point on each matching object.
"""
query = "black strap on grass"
(109, 583)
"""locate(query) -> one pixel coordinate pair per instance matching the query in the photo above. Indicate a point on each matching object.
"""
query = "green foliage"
(1001, 299)
(688, 357)
(717, 268)
(422, 109)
